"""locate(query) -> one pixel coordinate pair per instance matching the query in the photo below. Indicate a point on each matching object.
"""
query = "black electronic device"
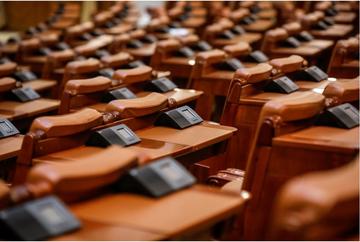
(312, 73)
(120, 93)
(116, 135)
(179, 118)
(237, 29)
(135, 64)
(102, 53)
(7, 128)
(86, 37)
(149, 38)
(281, 85)
(291, 42)
(342, 116)
(134, 44)
(201, 46)
(185, 52)
(62, 46)
(24, 94)
(231, 64)
(256, 56)
(329, 21)
(305, 36)
(25, 76)
(247, 20)
(156, 179)
(106, 72)
(38, 219)
(44, 51)
(163, 29)
(109, 24)
(162, 84)
(227, 34)
(321, 25)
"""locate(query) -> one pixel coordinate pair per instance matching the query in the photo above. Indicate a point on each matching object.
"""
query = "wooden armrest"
(297, 106)
(7, 68)
(62, 55)
(288, 64)
(130, 108)
(83, 66)
(239, 49)
(275, 35)
(211, 56)
(260, 72)
(316, 202)
(345, 90)
(117, 59)
(93, 172)
(67, 124)
(138, 74)
(168, 45)
(292, 28)
(90, 85)
(7, 84)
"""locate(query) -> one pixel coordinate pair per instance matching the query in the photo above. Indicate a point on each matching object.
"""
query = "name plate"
(179, 118)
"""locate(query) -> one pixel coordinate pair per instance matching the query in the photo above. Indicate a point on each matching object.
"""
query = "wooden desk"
(10, 146)
(174, 215)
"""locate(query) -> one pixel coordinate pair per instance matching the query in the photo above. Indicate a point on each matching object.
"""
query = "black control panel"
(62, 46)
(135, 64)
(185, 52)
(25, 76)
(134, 44)
(312, 73)
(102, 53)
(156, 179)
(120, 93)
(7, 128)
(237, 29)
(231, 64)
(257, 56)
(24, 94)
(149, 38)
(281, 85)
(106, 72)
(86, 36)
(305, 36)
(162, 84)
(291, 42)
(179, 118)
(201, 46)
(227, 34)
(117, 135)
(342, 116)
(321, 25)
(44, 51)
(247, 20)
(39, 219)
(329, 21)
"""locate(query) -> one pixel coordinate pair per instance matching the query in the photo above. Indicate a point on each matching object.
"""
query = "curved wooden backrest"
(67, 124)
(71, 180)
(239, 49)
(288, 64)
(134, 75)
(343, 90)
(239, 14)
(210, 57)
(168, 45)
(83, 66)
(137, 34)
(7, 68)
(258, 73)
(272, 37)
(57, 59)
(7, 84)
(292, 28)
(311, 206)
(90, 85)
(116, 60)
(275, 113)
(29, 44)
(188, 39)
(137, 107)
